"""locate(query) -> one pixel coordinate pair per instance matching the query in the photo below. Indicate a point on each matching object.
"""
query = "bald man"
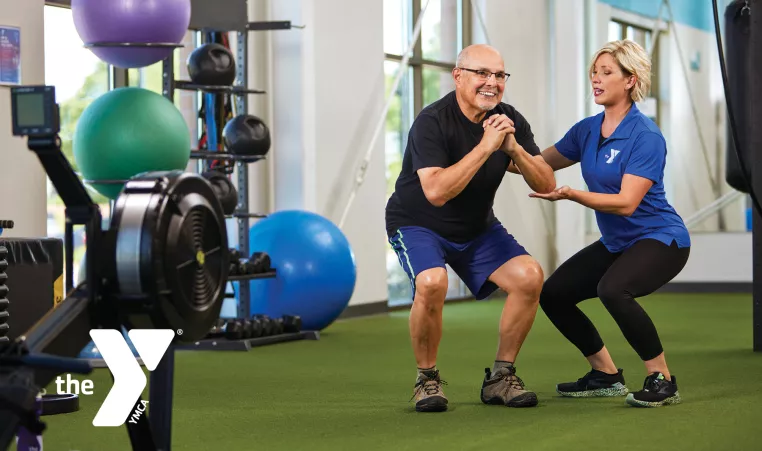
(458, 150)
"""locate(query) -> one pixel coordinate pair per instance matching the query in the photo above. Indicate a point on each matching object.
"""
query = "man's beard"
(486, 105)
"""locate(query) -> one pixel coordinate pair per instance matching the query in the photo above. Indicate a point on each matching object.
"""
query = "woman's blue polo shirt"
(636, 147)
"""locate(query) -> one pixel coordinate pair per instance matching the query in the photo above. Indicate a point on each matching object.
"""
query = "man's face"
(476, 82)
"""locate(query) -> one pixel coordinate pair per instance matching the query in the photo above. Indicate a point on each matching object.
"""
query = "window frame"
(417, 62)
(457, 290)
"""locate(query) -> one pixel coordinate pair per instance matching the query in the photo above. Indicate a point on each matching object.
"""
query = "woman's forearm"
(606, 203)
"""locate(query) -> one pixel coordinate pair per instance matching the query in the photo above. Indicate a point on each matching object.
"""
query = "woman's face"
(610, 85)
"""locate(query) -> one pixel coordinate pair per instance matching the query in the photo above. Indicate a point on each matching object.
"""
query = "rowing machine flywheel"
(171, 253)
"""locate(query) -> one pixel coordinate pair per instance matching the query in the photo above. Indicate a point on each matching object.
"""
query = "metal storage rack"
(228, 16)
(231, 16)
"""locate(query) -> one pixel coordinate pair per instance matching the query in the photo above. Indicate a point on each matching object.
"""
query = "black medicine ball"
(212, 64)
(246, 135)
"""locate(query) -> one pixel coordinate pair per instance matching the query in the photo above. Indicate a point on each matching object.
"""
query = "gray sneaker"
(428, 393)
(505, 388)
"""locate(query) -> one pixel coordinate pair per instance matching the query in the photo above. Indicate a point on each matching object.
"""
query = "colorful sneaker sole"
(674, 399)
(616, 390)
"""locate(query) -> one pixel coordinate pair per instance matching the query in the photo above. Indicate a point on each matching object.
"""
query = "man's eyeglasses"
(500, 77)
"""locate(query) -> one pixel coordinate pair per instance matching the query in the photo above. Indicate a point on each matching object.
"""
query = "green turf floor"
(350, 390)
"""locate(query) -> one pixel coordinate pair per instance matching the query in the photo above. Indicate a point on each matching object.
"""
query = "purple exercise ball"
(143, 21)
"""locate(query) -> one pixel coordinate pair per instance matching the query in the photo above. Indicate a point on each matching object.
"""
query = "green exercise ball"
(126, 132)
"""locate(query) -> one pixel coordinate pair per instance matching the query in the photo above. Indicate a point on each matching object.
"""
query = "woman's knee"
(554, 293)
(549, 298)
(611, 293)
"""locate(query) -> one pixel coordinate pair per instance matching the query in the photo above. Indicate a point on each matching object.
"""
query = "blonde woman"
(644, 242)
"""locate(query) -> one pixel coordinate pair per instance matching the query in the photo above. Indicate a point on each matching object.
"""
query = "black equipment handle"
(49, 362)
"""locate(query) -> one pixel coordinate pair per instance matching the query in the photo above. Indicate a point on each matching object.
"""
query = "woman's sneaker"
(428, 394)
(657, 391)
(594, 384)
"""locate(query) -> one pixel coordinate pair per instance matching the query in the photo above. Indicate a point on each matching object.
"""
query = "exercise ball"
(126, 132)
(246, 135)
(315, 268)
(212, 64)
(131, 21)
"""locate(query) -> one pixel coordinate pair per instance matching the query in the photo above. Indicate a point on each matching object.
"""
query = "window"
(622, 30)
(444, 32)
(79, 77)
(150, 77)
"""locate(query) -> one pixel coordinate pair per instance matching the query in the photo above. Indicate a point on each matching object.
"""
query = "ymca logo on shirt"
(610, 159)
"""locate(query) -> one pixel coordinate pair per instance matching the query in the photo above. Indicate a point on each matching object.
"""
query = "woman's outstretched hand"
(563, 192)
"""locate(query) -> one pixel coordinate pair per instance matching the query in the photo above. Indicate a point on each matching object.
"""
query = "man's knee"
(431, 287)
(522, 275)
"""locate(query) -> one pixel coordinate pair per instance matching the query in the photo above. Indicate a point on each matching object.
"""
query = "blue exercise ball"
(315, 267)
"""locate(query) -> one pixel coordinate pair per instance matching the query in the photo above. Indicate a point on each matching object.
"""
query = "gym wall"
(23, 181)
(327, 91)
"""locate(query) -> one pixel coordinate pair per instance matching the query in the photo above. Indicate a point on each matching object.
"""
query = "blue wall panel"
(694, 13)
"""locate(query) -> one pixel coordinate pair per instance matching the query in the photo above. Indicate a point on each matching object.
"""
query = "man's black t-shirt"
(441, 136)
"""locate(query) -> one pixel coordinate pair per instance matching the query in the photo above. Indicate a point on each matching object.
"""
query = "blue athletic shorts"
(419, 249)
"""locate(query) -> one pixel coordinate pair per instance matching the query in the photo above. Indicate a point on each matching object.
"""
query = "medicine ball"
(247, 135)
(213, 65)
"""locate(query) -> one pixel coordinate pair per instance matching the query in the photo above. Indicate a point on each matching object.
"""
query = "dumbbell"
(257, 264)
(277, 326)
(233, 329)
(268, 327)
(246, 328)
(218, 329)
(235, 258)
(245, 267)
(260, 263)
(292, 324)
(256, 328)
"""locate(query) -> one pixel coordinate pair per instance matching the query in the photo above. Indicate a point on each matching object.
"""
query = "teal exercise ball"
(315, 267)
(126, 132)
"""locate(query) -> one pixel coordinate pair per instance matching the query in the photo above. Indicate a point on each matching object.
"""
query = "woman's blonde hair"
(632, 60)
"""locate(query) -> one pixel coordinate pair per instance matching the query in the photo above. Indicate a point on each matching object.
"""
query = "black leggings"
(617, 279)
